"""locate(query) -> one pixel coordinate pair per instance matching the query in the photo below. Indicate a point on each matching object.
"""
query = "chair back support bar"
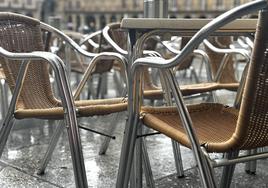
(22, 34)
(228, 72)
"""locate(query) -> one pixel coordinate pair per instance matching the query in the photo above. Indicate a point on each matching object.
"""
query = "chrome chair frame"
(67, 101)
(227, 53)
(135, 100)
(95, 58)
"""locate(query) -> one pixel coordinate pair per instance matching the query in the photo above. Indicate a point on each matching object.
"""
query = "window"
(16, 3)
(173, 5)
(188, 4)
(219, 4)
(29, 2)
(236, 3)
(203, 4)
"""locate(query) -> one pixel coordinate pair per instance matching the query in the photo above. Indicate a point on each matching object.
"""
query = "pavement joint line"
(25, 172)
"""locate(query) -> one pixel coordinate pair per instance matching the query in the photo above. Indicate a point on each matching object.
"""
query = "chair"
(114, 36)
(207, 127)
(93, 43)
(29, 83)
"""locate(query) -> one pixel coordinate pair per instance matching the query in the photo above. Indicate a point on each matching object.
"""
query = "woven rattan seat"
(206, 127)
(191, 89)
(213, 123)
(35, 98)
(84, 108)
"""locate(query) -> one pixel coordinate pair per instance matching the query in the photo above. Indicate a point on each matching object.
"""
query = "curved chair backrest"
(228, 73)
(119, 36)
(252, 124)
(19, 33)
(187, 62)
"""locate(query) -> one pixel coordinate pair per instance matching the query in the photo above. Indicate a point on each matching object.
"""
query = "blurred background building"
(89, 15)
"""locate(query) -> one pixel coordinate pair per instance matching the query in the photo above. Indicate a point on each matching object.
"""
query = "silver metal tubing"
(175, 145)
(250, 167)
(5, 131)
(88, 38)
(51, 147)
(118, 49)
(92, 64)
(68, 105)
(138, 162)
(4, 98)
(107, 37)
(240, 51)
(67, 39)
(201, 35)
(228, 171)
(111, 129)
(199, 52)
(178, 159)
(147, 166)
(204, 169)
(127, 151)
(240, 159)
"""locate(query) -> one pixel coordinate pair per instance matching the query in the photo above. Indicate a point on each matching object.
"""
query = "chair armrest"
(68, 40)
(58, 67)
(104, 55)
(240, 51)
(88, 38)
(107, 37)
(202, 34)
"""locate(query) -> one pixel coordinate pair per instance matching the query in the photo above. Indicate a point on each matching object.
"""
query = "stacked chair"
(25, 65)
(205, 127)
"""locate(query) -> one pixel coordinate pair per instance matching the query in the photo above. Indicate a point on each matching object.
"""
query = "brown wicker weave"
(22, 34)
(80, 67)
(220, 128)
(228, 73)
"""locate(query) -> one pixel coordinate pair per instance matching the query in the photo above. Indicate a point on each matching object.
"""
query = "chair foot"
(52, 144)
(228, 171)
(178, 159)
(6, 128)
(106, 141)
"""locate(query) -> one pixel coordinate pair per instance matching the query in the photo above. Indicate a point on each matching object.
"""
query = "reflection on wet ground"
(29, 140)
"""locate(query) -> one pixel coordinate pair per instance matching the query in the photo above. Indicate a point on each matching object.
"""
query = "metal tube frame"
(67, 102)
(135, 95)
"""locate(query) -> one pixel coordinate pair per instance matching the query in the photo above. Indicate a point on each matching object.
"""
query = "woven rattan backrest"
(22, 34)
(119, 36)
(228, 74)
(252, 128)
(186, 63)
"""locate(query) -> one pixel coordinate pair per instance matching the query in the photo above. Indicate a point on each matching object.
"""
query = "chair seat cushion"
(213, 123)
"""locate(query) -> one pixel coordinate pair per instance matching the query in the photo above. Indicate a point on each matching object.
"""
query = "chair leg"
(251, 166)
(106, 141)
(51, 147)
(5, 131)
(178, 159)
(4, 98)
(127, 152)
(147, 166)
(137, 167)
(228, 171)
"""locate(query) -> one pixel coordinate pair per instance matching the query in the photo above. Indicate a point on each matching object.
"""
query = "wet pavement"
(29, 140)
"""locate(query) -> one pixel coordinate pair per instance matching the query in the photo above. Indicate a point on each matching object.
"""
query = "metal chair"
(205, 127)
(27, 75)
